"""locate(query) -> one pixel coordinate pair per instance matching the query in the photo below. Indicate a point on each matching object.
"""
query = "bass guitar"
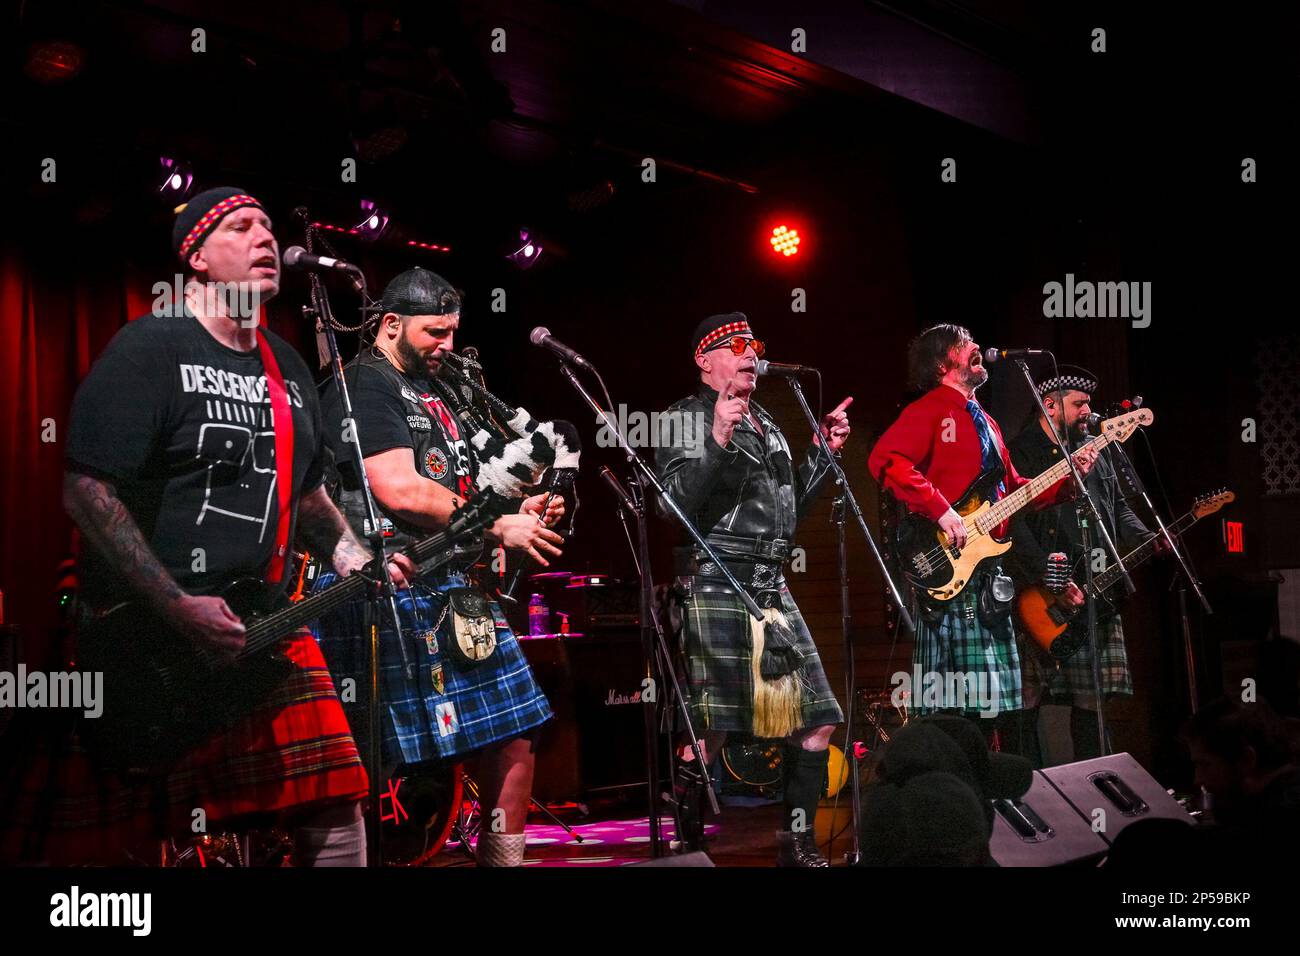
(163, 696)
(942, 571)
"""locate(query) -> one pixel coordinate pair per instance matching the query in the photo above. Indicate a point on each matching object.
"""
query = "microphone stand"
(846, 498)
(654, 645)
(385, 594)
(1125, 463)
(1083, 507)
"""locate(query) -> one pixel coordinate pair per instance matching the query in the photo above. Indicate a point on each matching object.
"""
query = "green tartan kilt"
(717, 645)
(959, 647)
(1070, 680)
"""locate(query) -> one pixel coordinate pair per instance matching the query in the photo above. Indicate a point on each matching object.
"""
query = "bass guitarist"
(936, 450)
(195, 456)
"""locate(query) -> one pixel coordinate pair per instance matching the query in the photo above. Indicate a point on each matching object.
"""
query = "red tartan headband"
(200, 216)
(722, 332)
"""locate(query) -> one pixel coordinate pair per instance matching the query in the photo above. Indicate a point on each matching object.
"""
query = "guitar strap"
(282, 419)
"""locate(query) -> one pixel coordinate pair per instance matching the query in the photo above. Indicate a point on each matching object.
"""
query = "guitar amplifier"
(597, 739)
(596, 602)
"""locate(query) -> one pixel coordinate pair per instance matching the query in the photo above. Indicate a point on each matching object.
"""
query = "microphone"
(542, 338)
(998, 355)
(296, 257)
(617, 487)
(1057, 574)
(764, 367)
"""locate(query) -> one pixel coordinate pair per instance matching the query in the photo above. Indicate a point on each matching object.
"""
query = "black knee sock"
(803, 775)
(1083, 731)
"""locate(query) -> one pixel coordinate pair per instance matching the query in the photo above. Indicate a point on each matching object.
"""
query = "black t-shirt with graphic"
(182, 426)
(394, 410)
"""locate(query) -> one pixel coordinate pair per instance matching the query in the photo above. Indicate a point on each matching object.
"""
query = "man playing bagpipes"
(735, 478)
(472, 691)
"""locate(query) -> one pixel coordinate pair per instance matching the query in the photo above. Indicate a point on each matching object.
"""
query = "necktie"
(990, 457)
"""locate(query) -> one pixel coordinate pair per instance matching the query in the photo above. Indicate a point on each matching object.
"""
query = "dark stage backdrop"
(1125, 184)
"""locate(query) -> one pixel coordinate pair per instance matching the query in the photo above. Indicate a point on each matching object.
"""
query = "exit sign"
(1234, 537)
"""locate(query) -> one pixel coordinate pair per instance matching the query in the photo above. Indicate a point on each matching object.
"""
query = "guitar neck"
(265, 632)
(1004, 508)
(1106, 579)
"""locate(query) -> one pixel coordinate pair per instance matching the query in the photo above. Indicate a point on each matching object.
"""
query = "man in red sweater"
(965, 656)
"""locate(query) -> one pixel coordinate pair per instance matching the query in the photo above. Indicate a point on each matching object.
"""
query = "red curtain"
(53, 322)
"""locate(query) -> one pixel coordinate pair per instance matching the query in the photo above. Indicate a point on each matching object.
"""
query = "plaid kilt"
(292, 752)
(1049, 681)
(716, 640)
(959, 643)
(453, 707)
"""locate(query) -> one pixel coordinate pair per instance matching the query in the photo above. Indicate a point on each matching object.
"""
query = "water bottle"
(538, 616)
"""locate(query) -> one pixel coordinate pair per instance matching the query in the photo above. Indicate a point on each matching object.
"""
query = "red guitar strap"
(283, 423)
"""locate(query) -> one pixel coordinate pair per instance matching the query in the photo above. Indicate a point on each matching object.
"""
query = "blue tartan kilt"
(452, 707)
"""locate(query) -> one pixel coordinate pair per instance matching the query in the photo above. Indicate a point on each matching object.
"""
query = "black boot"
(798, 849)
(689, 782)
(803, 773)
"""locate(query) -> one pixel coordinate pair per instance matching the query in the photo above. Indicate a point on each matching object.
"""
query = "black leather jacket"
(747, 491)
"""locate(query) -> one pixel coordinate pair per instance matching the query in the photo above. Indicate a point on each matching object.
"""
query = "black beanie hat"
(197, 218)
(717, 327)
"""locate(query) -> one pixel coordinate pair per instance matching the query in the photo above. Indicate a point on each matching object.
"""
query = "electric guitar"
(163, 696)
(942, 571)
(1046, 621)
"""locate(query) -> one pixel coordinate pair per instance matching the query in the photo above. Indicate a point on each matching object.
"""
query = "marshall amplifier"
(594, 684)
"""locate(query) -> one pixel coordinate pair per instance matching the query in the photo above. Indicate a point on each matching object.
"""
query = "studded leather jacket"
(746, 498)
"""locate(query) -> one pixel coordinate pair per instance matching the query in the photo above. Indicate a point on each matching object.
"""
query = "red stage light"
(54, 61)
(785, 240)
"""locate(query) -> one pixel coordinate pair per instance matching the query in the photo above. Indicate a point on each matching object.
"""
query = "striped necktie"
(990, 457)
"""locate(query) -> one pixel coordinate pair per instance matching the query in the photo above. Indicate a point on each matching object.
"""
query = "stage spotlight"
(529, 251)
(374, 221)
(53, 61)
(785, 240)
(177, 178)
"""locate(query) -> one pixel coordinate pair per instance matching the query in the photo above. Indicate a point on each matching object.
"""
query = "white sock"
(331, 846)
(500, 849)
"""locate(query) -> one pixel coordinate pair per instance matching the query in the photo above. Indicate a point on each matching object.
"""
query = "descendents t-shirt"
(182, 427)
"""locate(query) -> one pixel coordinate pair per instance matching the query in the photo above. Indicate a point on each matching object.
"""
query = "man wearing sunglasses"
(735, 478)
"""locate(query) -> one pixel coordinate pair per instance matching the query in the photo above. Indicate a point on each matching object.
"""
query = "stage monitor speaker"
(1115, 792)
(699, 858)
(1042, 828)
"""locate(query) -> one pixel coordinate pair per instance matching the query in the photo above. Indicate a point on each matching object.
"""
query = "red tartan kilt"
(295, 750)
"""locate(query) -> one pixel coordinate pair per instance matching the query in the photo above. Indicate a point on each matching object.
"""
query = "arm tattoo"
(327, 534)
(106, 522)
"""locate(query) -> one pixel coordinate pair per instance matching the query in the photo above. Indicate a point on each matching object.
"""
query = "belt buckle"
(780, 547)
(764, 575)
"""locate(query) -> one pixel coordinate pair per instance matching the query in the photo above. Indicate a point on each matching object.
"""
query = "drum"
(418, 806)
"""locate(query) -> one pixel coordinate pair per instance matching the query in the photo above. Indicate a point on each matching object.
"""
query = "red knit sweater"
(928, 474)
